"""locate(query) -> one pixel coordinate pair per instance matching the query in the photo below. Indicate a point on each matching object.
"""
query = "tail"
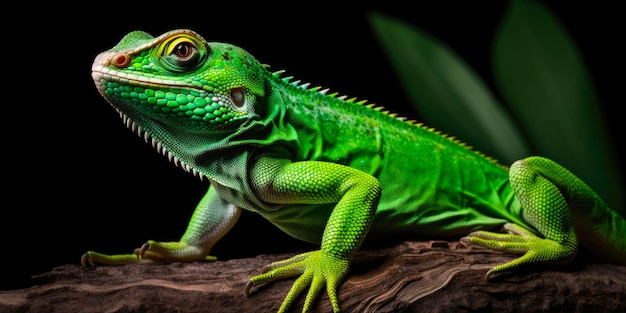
(599, 229)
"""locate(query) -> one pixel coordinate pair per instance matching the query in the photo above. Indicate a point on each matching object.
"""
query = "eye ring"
(182, 54)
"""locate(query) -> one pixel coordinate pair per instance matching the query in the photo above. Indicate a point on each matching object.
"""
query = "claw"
(493, 275)
(466, 241)
(249, 286)
(84, 259)
(145, 247)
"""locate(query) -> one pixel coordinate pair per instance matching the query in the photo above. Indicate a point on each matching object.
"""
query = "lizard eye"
(182, 54)
(185, 51)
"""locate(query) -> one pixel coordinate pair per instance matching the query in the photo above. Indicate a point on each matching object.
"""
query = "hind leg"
(538, 186)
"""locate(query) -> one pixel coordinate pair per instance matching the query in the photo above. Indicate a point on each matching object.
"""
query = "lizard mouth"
(199, 109)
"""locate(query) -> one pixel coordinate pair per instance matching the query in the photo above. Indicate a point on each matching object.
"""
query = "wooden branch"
(409, 277)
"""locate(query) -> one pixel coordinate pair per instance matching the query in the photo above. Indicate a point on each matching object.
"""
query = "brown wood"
(409, 277)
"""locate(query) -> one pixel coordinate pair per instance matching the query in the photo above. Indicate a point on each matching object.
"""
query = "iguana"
(332, 170)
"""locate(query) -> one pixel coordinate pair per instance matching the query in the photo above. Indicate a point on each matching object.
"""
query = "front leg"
(356, 195)
(211, 220)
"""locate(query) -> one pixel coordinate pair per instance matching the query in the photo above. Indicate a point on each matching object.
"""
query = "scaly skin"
(331, 170)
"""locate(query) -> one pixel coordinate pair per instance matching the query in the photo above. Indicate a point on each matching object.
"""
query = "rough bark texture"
(409, 277)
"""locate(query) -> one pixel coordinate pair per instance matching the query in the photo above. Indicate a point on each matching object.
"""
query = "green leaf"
(543, 79)
(446, 92)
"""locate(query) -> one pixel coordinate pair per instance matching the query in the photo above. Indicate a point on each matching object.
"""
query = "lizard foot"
(534, 249)
(150, 252)
(315, 269)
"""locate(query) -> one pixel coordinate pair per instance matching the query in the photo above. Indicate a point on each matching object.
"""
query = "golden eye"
(182, 54)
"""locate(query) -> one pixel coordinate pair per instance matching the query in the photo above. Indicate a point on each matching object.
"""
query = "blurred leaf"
(446, 92)
(543, 79)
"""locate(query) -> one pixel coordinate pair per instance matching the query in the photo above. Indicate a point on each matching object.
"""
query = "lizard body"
(331, 170)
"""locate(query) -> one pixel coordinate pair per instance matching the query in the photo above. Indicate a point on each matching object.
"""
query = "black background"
(76, 179)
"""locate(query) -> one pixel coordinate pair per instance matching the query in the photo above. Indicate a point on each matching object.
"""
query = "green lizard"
(330, 170)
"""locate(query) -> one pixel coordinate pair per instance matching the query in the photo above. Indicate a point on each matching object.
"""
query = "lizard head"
(179, 81)
(182, 94)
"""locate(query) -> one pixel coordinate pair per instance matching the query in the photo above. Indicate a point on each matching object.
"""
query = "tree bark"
(435, 276)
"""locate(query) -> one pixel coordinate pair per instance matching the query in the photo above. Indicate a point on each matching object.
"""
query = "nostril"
(120, 60)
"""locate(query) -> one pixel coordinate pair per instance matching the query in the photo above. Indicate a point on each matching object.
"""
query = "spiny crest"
(412, 123)
(158, 146)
